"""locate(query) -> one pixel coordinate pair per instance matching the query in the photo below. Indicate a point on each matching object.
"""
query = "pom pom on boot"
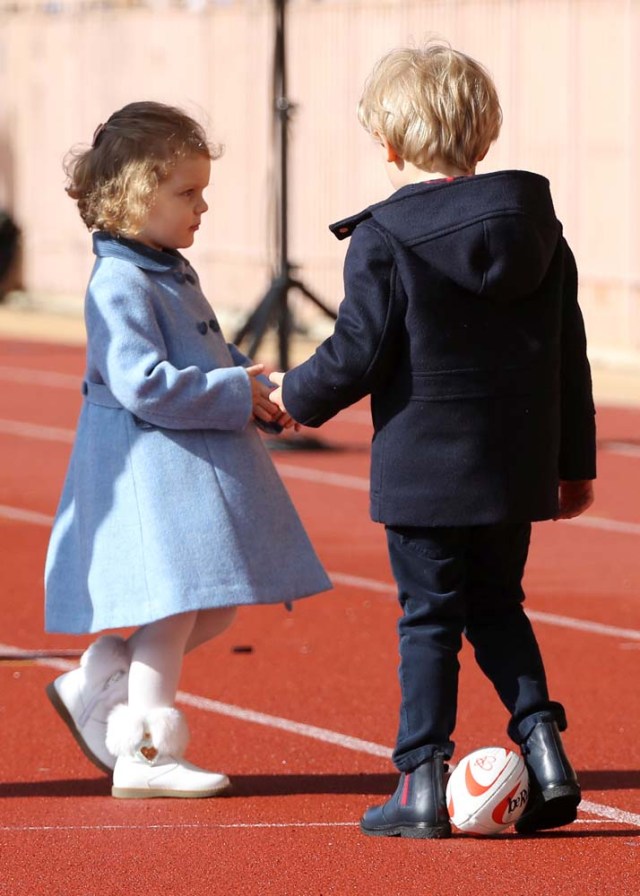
(149, 748)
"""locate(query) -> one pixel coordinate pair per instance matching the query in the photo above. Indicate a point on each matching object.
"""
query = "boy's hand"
(276, 395)
(263, 408)
(285, 419)
(574, 498)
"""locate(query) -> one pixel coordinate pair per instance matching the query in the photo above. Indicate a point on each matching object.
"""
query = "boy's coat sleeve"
(348, 365)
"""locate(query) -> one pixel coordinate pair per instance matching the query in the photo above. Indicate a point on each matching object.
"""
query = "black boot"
(417, 809)
(554, 792)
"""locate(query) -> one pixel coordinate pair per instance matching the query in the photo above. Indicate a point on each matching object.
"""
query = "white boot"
(149, 748)
(85, 696)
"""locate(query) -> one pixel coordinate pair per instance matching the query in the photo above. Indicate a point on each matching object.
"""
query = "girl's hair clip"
(97, 134)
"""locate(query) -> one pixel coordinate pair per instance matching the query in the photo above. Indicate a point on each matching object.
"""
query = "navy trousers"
(453, 581)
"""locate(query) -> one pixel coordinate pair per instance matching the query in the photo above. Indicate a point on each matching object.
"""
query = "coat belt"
(98, 393)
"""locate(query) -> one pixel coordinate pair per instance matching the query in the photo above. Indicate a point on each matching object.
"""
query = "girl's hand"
(263, 408)
(286, 421)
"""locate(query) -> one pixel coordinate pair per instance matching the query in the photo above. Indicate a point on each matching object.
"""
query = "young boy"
(461, 320)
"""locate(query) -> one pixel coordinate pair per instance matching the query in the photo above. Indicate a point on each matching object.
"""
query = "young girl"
(171, 511)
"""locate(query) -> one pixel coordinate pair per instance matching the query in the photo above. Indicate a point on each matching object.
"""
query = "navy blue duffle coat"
(461, 320)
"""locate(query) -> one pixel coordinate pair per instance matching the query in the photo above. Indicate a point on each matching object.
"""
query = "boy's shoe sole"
(64, 714)
(413, 832)
(554, 808)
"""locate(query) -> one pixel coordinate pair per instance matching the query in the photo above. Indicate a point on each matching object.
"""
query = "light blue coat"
(171, 502)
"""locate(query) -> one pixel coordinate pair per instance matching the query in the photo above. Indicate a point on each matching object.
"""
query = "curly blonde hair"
(431, 104)
(115, 181)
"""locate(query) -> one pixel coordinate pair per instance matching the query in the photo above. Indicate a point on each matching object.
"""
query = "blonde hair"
(115, 181)
(431, 104)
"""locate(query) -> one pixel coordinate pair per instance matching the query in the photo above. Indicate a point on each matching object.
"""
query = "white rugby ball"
(487, 791)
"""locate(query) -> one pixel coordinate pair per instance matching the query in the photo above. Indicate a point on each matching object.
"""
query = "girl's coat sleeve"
(238, 357)
(134, 355)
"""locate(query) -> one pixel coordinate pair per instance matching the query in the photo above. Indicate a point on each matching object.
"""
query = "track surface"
(304, 722)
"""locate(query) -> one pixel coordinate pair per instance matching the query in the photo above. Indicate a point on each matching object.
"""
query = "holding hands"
(267, 402)
(276, 395)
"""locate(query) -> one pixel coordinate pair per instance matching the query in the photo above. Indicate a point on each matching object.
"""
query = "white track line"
(25, 516)
(626, 449)
(387, 588)
(40, 378)
(16, 428)
(597, 628)
(611, 813)
(289, 471)
(56, 380)
(323, 735)
(261, 718)
(179, 827)
(33, 828)
(360, 483)
(600, 522)
(308, 474)
(245, 715)
(36, 431)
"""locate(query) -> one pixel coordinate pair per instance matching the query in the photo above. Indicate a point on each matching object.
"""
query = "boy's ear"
(392, 155)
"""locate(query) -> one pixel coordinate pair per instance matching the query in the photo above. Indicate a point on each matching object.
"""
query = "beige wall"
(567, 71)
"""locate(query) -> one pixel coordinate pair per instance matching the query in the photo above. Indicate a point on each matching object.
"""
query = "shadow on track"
(285, 785)
(613, 779)
(63, 787)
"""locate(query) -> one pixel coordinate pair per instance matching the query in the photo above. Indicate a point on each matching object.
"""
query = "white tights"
(157, 650)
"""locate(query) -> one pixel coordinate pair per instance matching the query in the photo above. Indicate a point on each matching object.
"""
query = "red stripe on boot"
(405, 791)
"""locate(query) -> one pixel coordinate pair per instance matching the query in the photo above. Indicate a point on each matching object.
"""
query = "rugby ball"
(487, 791)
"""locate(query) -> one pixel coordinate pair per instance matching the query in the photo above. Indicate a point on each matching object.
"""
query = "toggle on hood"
(492, 234)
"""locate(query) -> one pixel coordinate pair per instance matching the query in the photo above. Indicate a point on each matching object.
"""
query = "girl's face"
(178, 206)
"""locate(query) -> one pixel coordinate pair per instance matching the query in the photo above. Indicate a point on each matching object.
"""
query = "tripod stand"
(273, 308)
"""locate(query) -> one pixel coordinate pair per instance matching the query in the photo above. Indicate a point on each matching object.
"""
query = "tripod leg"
(284, 332)
(297, 284)
(262, 317)
(247, 326)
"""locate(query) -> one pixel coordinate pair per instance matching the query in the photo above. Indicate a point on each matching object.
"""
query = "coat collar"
(106, 245)
(470, 198)
(494, 235)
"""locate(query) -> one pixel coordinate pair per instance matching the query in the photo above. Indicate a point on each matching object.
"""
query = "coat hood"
(492, 234)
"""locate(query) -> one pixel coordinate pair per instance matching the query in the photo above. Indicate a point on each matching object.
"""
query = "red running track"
(304, 722)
